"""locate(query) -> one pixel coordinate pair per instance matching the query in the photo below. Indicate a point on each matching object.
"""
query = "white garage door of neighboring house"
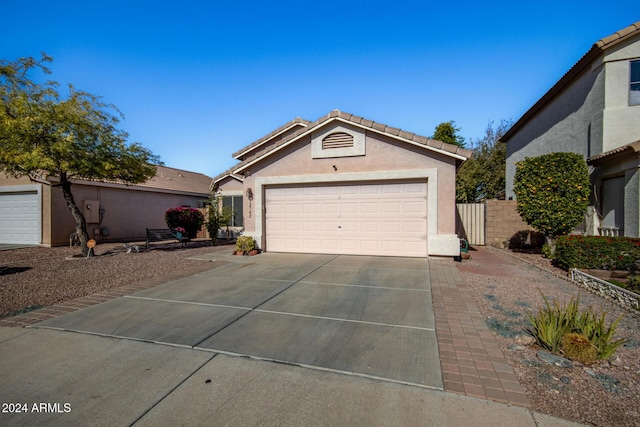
(20, 217)
(365, 219)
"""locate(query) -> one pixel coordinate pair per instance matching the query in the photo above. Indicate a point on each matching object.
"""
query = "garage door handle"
(339, 226)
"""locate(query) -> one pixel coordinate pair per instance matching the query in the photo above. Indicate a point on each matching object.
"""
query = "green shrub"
(603, 253)
(552, 191)
(190, 219)
(554, 321)
(245, 244)
(633, 283)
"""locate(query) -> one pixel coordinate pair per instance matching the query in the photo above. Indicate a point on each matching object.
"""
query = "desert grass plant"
(554, 320)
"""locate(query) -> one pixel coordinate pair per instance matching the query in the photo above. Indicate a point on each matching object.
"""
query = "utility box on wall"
(91, 211)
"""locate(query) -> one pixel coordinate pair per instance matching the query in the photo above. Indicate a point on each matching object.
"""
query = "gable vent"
(337, 140)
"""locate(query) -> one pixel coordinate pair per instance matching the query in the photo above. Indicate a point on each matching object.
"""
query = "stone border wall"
(605, 289)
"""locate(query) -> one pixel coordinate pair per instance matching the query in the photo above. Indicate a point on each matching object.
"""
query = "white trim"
(249, 149)
(366, 128)
(28, 188)
(236, 177)
(430, 176)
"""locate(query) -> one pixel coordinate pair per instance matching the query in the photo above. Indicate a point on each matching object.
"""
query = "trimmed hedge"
(595, 252)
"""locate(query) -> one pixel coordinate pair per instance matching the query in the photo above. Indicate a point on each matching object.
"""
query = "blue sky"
(197, 81)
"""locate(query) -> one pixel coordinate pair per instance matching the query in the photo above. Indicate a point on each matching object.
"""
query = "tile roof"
(630, 148)
(584, 63)
(228, 172)
(167, 180)
(422, 141)
(297, 122)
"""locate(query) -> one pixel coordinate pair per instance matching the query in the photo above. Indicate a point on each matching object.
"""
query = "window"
(235, 203)
(634, 85)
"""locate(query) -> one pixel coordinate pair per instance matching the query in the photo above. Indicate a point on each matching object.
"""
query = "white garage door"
(366, 219)
(20, 217)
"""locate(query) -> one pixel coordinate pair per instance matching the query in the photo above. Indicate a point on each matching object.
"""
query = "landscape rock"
(552, 359)
(615, 361)
(525, 339)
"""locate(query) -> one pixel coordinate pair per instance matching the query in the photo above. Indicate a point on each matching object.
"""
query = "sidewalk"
(84, 379)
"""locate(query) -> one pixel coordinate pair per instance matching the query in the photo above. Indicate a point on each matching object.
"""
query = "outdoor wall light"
(249, 194)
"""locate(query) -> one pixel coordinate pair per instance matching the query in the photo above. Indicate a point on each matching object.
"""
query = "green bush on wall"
(596, 252)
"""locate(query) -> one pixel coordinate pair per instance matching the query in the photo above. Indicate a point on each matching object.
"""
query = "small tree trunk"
(81, 224)
(551, 242)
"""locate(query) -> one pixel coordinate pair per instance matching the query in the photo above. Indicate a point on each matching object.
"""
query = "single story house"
(593, 110)
(36, 213)
(346, 185)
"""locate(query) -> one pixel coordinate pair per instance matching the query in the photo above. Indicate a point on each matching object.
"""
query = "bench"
(160, 234)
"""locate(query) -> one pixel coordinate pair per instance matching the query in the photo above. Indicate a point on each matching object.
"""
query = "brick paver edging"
(470, 356)
(35, 316)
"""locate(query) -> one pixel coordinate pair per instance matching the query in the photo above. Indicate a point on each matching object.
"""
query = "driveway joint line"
(347, 285)
(187, 302)
(240, 277)
(265, 301)
(378, 268)
(258, 310)
(172, 390)
(104, 335)
(320, 368)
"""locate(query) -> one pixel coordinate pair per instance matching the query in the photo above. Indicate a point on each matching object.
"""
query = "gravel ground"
(601, 394)
(38, 276)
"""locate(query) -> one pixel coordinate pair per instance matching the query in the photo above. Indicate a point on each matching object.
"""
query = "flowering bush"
(188, 219)
(602, 253)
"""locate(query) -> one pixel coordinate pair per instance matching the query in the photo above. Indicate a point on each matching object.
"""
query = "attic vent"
(337, 140)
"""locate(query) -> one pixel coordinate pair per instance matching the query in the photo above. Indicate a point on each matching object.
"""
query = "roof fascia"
(249, 148)
(366, 128)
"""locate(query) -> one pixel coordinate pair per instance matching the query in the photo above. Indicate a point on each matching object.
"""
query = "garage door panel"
(20, 217)
(391, 227)
(415, 227)
(368, 219)
(371, 208)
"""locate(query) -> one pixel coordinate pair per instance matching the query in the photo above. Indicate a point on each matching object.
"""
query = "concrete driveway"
(365, 316)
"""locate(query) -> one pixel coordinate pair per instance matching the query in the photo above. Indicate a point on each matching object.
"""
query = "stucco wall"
(127, 212)
(571, 123)
(620, 125)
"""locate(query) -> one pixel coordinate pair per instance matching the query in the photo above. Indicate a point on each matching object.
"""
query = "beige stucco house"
(593, 110)
(36, 213)
(346, 185)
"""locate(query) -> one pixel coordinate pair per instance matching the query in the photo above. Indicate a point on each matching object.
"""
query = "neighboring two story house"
(593, 110)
